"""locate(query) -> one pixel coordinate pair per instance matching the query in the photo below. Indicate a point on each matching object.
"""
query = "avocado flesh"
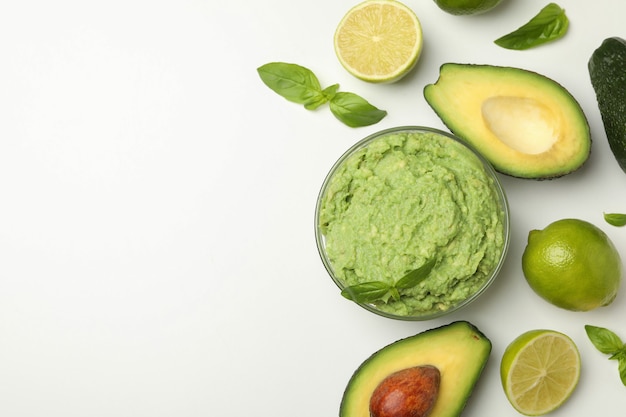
(524, 123)
(459, 350)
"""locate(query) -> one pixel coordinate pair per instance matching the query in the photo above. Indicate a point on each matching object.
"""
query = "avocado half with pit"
(527, 125)
(457, 351)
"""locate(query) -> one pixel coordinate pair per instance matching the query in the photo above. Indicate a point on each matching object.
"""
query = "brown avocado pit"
(411, 392)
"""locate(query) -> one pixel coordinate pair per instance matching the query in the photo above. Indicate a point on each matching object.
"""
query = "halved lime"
(540, 370)
(379, 40)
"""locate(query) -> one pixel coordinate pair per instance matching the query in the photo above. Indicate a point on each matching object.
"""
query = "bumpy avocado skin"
(607, 70)
(459, 350)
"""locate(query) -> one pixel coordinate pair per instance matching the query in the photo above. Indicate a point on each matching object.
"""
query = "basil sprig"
(300, 85)
(548, 25)
(615, 219)
(609, 343)
(369, 292)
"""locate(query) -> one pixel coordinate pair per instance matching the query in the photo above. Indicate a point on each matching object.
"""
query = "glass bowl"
(412, 223)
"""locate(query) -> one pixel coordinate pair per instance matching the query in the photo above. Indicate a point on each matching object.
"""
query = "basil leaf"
(620, 357)
(324, 97)
(366, 292)
(294, 82)
(416, 276)
(330, 92)
(300, 85)
(608, 342)
(548, 25)
(354, 110)
(622, 370)
(604, 340)
(395, 294)
(615, 219)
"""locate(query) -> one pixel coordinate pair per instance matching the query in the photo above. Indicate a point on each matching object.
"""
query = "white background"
(157, 255)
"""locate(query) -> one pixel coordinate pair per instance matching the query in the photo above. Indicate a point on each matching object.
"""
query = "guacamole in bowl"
(412, 223)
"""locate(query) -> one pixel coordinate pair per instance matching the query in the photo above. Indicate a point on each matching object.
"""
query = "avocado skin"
(469, 346)
(607, 70)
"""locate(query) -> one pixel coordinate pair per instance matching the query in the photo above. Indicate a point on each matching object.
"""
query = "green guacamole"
(404, 199)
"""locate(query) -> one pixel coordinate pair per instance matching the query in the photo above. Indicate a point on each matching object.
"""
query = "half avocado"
(458, 350)
(525, 124)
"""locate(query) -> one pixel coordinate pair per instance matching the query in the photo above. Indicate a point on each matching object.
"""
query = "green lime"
(379, 41)
(539, 371)
(573, 265)
(460, 7)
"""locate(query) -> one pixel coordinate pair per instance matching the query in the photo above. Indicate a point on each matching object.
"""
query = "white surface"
(157, 255)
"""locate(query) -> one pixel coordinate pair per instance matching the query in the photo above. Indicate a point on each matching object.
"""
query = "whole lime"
(466, 7)
(573, 265)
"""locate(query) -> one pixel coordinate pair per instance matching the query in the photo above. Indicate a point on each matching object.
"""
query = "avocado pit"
(523, 124)
(411, 392)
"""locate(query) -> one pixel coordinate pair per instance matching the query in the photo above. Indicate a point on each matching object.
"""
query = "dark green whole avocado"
(607, 70)
(458, 350)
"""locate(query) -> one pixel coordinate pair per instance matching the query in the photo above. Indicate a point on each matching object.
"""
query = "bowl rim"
(491, 172)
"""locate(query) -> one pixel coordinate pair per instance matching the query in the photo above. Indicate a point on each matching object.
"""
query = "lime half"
(379, 40)
(540, 370)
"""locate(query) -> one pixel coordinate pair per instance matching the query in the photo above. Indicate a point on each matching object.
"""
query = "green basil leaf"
(604, 340)
(300, 85)
(622, 370)
(416, 276)
(385, 298)
(395, 294)
(354, 110)
(327, 94)
(615, 219)
(293, 82)
(366, 292)
(548, 25)
(331, 91)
